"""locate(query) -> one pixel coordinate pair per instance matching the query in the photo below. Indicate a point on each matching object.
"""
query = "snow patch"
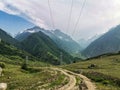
(60, 37)
(31, 31)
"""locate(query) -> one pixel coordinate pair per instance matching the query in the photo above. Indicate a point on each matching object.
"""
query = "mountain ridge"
(9, 39)
(43, 47)
(64, 41)
(107, 43)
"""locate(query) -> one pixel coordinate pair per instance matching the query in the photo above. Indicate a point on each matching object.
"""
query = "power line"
(69, 17)
(81, 10)
(53, 25)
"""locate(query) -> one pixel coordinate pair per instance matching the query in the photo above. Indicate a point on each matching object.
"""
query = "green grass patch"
(33, 78)
(78, 80)
(107, 69)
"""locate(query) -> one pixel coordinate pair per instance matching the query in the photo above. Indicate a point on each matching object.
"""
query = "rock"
(83, 86)
(3, 86)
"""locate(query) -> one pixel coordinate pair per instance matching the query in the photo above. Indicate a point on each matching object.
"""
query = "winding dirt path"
(72, 81)
(88, 82)
(71, 85)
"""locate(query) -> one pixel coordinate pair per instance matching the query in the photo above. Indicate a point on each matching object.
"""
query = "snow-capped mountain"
(61, 39)
(24, 34)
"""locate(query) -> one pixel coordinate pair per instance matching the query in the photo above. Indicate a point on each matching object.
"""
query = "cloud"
(97, 16)
(28, 10)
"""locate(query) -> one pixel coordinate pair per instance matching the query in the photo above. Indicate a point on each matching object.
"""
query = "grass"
(108, 66)
(78, 80)
(34, 78)
(106, 87)
(17, 78)
(59, 81)
(16, 60)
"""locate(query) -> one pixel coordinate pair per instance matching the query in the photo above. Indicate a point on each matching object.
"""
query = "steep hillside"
(107, 43)
(43, 47)
(7, 38)
(84, 43)
(63, 41)
(12, 52)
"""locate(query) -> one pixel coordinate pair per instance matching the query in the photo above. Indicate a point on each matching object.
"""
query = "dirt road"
(88, 82)
(72, 81)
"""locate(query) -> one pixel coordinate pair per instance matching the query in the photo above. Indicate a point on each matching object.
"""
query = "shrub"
(102, 78)
(24, 66)
(98, 79)
(106, 82)
(2, 65)
(92, 66)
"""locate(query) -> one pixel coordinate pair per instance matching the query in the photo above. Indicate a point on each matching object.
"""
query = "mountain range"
(63, 41)
(40, 46)
(43, 47)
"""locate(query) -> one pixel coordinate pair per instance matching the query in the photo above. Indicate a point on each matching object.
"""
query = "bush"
(98, 79)
(92, 66)
(106, 82)
(102, 78)
(24, 66)
(2, 65)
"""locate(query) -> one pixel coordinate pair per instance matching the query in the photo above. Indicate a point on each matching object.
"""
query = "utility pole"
(61, 58)
(0, 40)
(26, 60)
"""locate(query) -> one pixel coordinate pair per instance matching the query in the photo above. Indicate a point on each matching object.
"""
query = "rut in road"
(72, 81)
(71, 85)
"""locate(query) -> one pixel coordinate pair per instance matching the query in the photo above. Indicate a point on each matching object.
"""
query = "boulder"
(3, 86)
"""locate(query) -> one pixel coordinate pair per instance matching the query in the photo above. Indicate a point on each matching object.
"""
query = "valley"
(59, 45)
(40, 66)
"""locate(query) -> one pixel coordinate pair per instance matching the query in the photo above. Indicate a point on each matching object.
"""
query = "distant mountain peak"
(63, 40)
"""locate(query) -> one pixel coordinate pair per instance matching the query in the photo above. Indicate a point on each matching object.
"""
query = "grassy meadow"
(104, 71)
(35, 78)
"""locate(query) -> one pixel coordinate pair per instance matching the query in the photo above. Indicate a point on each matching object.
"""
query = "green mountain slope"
(107, 43)
(41, 46)
(62, 40)
(12, 52)
(9, 39)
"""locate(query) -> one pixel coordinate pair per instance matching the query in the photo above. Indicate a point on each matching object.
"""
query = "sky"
(97, 17)
(13, 24)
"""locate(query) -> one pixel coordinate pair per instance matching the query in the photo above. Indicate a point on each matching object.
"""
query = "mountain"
(24, 34)
(63, 41)
(12, 52)
(84, 43)
(107, 43)
(9, 39)
(43, 47)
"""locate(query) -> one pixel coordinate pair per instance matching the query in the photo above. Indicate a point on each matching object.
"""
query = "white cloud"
(97, 17)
